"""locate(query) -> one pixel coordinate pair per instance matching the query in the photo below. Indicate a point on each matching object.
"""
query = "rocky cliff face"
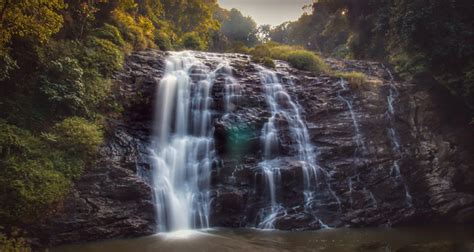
(112, 200)
(390, 153)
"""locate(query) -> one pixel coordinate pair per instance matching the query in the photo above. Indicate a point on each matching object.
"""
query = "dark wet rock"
(106, 203)
(297, 221)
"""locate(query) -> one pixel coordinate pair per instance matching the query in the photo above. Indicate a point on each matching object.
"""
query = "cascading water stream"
(232, 92)
(394, 138)
(282, 107)
(361, 148)
(182, 150)
(358, 135)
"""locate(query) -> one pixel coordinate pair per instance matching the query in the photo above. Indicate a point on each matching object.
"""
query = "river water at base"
(437, 239)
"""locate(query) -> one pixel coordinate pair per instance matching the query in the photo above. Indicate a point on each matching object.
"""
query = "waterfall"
(282, 107)
(182, 149)
(395, 139)
(358, 135)
(361, 148)
(232, 92)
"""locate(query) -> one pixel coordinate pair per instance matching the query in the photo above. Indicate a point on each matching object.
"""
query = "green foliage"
(162, 40)
(29, 184)
(136, 31)
(416, 36)
(297, 57)
(266, 61)
(409, 65)
(72, 94)
(191, 16)
(7, 65)
(102, 55)
(192, 41)
(62, 85)
(77, 136)
(13, 242)
(238, 28)
(240, 47)
(37, 20)
(283, 51)
(110, 33)
(36, 172)
(355, 79)
(306, 60)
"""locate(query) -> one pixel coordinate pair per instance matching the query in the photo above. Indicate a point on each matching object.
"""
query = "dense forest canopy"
(418, 37)
(57, 58)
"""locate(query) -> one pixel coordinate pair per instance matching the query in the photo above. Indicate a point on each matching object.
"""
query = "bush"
(297, 57)
(192, 41)
(103, 56)
(110, 33)
(239, 47)
(261, 51)
(162, 40)
(266, 61)
(29, 183)
(96, 86)
(62, 85)
(307, 61)
(7, 65)
(355, 79)
(137, 31)
(37, 171)
(77, 136)
(13, 242)
(283, 52)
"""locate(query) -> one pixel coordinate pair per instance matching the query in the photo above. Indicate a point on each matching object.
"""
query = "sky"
(273, 12)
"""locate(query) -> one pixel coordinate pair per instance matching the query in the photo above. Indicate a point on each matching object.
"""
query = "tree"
(264, 33)
(239, 28)
(22, 18)
(37, 20)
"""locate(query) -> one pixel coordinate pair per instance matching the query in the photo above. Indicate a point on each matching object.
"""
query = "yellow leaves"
(146, 25)
(127, 5)
(38, 18)
(137, 30)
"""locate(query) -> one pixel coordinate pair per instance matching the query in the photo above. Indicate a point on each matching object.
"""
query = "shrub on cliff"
(138, 31)
(162, 40)
(110, 33)
(296, 56)
(13, 242)
(37, 170)
(102, 55)
(29, 182)
(266, 61)
(307, 61)
(355, 79)
(78, 136)
(63, 86)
